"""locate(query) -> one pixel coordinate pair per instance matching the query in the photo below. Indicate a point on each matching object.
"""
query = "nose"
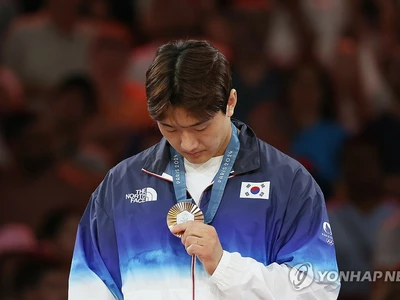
(189, 142)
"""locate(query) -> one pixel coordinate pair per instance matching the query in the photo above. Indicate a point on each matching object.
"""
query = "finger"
(178, 228)
(195, 249)
(192, 240)
(203, 231)
(192, 232)
(183, 226)
(197, 228)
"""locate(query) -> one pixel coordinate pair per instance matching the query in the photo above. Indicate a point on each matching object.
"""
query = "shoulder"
(290, 179)
(281, 169)
(134, 164)
(124, 177)
(279, 163)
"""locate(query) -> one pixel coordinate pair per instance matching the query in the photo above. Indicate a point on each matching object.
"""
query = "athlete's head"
(189, 94)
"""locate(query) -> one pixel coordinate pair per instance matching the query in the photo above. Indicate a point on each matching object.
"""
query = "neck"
(225, 143)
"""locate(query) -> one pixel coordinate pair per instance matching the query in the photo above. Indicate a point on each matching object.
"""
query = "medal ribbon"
(179, 179)
(177, 168)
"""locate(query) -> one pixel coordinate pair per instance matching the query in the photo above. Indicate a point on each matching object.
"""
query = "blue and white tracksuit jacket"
(277, 245)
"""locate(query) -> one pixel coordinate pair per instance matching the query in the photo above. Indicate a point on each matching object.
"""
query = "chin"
(197, 159)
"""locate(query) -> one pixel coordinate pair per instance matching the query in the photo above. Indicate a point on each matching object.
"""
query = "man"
(45, 47)
(266, 218)
(357, 216)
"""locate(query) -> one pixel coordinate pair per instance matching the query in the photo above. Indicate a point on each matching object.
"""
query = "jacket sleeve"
(95, 265)
(304, 264)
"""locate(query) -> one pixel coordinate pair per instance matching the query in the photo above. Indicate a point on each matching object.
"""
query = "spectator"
(384, 130)
(353, 109)
(73, 112)
(122, 103)
(252, 73)
(159, 22)
(327, 19)
(356, 219)
(72, 106)
(316, 137)
(45, 47)
(268, 121)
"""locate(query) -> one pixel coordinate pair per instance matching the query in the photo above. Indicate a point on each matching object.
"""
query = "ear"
(230, 108)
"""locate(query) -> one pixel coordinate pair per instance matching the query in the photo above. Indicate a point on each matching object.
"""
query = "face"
(196, 140)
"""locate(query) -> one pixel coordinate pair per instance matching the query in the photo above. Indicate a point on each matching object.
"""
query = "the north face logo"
(143, 195)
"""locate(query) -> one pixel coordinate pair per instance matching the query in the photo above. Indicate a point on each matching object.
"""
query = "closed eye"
(170, 130)
(201, 129)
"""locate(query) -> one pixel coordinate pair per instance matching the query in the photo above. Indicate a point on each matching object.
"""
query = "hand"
(201, 240)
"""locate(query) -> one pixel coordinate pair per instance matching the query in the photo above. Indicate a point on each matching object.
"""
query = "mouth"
(194, 154)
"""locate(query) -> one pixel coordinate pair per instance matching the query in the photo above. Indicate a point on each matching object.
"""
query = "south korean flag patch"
(255, 190)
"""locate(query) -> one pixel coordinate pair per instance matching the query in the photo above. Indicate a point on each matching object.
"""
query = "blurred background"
(317, 79)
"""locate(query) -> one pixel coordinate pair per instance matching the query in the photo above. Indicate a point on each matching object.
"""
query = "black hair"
(188, 74)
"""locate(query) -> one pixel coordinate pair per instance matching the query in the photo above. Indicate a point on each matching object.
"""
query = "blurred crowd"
(317, 79)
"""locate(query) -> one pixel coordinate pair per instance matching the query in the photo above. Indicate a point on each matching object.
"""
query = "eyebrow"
(193, 125)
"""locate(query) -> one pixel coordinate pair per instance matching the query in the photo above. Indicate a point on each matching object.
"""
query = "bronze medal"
(183, 212)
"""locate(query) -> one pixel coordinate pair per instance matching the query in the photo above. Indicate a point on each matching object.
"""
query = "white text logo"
(327, 233)
(143, 195)
(302, 275)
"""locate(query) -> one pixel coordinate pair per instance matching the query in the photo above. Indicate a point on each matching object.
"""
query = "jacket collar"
(248, 158)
